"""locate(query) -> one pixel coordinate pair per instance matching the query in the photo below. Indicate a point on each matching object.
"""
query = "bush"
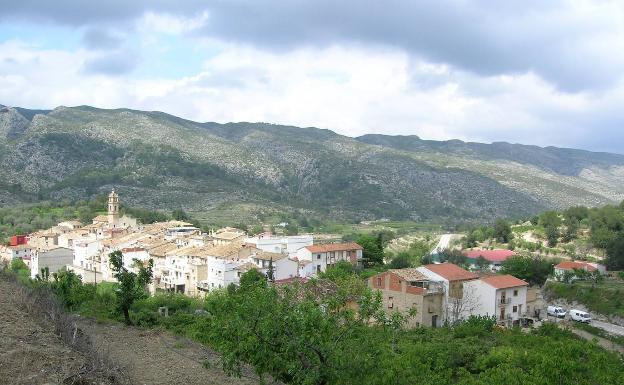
(144, 318)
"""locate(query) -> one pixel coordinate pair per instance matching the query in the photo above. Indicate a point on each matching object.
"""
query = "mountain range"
(244, 171)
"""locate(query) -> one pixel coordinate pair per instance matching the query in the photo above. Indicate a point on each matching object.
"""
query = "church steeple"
(113, 209)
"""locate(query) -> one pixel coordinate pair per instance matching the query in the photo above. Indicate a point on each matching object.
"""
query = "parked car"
(580, 316)
(556, 311)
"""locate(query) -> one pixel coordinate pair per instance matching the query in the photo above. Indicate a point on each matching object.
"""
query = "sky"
(549, 73)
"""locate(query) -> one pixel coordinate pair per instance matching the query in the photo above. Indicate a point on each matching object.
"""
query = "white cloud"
(351, 90)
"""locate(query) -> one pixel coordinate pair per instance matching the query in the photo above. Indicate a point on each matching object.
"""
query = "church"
(112, 219)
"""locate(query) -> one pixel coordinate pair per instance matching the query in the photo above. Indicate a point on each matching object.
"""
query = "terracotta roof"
(490, 255)
(504, 281)
(409, 274)
(334, 247)
(450, 272)
(570, 265)
(227, 235)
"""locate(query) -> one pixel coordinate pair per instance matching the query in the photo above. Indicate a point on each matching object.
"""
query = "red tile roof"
(498, 255)
(570, 265)
(334, 247)
(450, 272)
(504, 281)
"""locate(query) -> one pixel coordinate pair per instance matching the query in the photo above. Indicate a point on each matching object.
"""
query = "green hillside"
(160, 161)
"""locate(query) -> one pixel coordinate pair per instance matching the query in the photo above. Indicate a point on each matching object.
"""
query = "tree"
(572, 227)
(552, 235)
(401, 261)
(180, 215)
(615, 253)
(502, 231)
(271, 271)
(461, 305)
(482, 263)
(373, 253)
(534, 270)
(132, 286)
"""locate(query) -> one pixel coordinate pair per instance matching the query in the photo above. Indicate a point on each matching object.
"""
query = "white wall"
(54, 260)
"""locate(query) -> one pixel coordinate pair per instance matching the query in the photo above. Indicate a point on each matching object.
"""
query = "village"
(193, 263)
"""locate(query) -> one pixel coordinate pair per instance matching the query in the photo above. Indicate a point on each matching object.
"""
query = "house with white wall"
(54, 260)
(283, 267)
(323, 256)
(280, 244)
(457, 302)
(502, 296)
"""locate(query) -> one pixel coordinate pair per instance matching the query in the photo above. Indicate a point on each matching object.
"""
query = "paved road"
(611, 328)
(445, 242)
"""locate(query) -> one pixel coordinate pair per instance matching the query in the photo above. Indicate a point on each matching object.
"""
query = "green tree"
(373, 253)
(502, 231)
(180, 215)
(534, 270)
(401, 260)
(615, 253)
(132, 286)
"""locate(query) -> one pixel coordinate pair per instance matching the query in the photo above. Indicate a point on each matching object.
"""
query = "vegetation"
(606, 297)
(534, 270)
(307, 334)
(132, 286)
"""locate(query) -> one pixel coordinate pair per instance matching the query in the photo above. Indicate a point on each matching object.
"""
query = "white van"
(556, 311)
(580, 316)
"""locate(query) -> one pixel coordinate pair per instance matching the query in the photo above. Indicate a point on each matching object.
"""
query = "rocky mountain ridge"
(160, 161)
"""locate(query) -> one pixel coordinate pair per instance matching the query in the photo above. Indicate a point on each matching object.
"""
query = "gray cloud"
(115, 63)
(560, 44)
(96, 38)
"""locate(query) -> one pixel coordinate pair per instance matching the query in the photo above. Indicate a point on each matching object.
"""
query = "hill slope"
(161, 161)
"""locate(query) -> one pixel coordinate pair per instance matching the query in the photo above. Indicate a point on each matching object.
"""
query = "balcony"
(504, 301)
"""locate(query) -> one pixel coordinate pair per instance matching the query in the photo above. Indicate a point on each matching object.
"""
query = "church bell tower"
(113, 209)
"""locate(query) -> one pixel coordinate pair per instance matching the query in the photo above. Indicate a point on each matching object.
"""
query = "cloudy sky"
(534, 72)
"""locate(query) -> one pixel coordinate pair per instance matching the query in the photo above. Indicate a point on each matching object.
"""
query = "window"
(515, 309)
(515, 293)
(378, 281)
(390, 302)
(318, 256)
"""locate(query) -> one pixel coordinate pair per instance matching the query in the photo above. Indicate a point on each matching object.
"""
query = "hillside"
(158, 160)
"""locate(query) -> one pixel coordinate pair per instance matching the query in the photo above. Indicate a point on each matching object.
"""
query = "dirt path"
(29, 353)
(156, 357)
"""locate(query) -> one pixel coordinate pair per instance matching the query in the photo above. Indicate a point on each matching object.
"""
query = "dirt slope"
(30, 354)
(156, 357)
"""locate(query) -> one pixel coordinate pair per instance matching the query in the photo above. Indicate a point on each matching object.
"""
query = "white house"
(283, 267)
(24, 252)
(54, 260)
(280, 244)
(502, 296)
(323, 256)
(457, 302)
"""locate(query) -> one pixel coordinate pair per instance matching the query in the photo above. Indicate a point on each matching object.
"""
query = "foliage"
(132, 286)
(373, 253)
(502, 231)
(453, 256)
(534, 270)
(605, 297)
(615, 253)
